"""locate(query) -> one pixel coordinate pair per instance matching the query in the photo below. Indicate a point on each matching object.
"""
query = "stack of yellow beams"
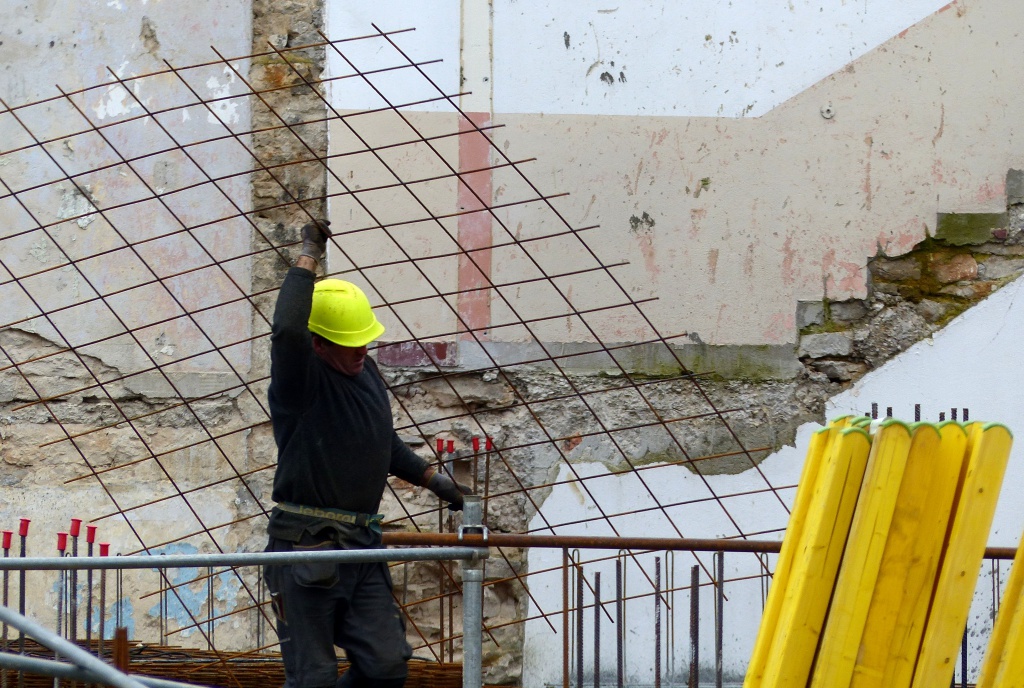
(878, 566)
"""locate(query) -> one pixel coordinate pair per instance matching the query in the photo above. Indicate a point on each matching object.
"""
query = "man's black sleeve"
(291, 347)
(405, 463)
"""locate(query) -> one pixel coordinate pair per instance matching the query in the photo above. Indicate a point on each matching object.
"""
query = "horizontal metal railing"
(87, 667)
(470, 546)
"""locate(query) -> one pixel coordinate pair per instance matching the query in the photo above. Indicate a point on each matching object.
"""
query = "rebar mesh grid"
(139, 261)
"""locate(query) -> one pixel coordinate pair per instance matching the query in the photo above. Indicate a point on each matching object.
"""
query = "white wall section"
(437, 27)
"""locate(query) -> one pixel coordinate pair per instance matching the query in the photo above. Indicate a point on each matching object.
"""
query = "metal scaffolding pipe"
(472, 598)
(64, 670)
(103, 672)
(616, 543)
(146, 561)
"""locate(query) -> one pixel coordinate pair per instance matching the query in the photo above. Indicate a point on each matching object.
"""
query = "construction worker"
(336, 447)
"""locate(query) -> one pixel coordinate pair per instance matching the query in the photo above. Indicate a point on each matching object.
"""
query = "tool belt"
(339, 515)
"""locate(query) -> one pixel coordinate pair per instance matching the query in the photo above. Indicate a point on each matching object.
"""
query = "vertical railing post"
(565, 618)
(719, 615)
(597, 630)
(579, 624)
(23, 535)
(694, 626)
(620, 625)
(657, 622)
(8, 535)
(472, 598)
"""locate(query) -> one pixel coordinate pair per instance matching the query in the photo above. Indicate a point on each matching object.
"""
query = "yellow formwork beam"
(819, 445)
(816, 561)
(869, 531)
(1005, 651)
(989, 452)
(910, 566)
(926, 467)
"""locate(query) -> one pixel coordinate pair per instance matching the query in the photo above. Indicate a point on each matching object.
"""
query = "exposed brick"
(998, 267)
(840, 370)
(414, 354)
(825, 344)
(971, 291)
(848, 311)
(956, 268)
(896, 270)
(809, 313)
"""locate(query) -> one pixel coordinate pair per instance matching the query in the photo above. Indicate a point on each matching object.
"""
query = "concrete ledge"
(746, 362)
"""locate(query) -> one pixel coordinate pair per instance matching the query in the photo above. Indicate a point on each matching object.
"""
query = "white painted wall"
(659, 58)
(692, 59)
(436, 37)
(968, 364)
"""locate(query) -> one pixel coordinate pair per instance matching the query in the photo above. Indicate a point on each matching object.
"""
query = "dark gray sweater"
(336, 442)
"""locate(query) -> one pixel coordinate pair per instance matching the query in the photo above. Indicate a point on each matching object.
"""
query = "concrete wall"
(51, 45)
(741, 161)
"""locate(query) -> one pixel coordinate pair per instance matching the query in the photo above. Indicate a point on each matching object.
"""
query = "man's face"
(346, 360)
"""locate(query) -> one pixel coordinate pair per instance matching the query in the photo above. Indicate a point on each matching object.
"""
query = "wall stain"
(633, 185)
(787, 261)
(696, 215)
(644, 223)
(148, 35)
(942, 124)
(869, 140)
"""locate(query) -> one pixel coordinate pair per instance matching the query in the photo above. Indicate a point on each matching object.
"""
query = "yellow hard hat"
(341, 313)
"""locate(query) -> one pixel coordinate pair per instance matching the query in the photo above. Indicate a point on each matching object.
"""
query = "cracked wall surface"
(797, 253)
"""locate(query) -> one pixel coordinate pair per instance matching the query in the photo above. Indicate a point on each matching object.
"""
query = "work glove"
(448, 490)
(314, 239)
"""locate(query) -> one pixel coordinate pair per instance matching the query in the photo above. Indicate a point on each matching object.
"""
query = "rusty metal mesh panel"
(138, 273)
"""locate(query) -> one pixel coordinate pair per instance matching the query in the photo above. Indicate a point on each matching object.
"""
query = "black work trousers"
(351, 606)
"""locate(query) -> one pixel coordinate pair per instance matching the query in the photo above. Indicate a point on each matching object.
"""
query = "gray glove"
(448, 490)
(314, 239)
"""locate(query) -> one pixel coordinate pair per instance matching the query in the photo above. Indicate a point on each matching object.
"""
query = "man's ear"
(318, 344)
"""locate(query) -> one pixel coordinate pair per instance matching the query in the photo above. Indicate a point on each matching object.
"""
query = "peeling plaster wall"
(47, 42)
(44, 44)
(743, 161)
(48, 46)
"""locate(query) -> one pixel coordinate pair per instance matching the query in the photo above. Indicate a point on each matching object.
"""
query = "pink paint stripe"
(475, 227)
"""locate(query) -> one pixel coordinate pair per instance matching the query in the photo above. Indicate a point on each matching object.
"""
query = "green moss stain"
(827, 326)
(964, 229)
